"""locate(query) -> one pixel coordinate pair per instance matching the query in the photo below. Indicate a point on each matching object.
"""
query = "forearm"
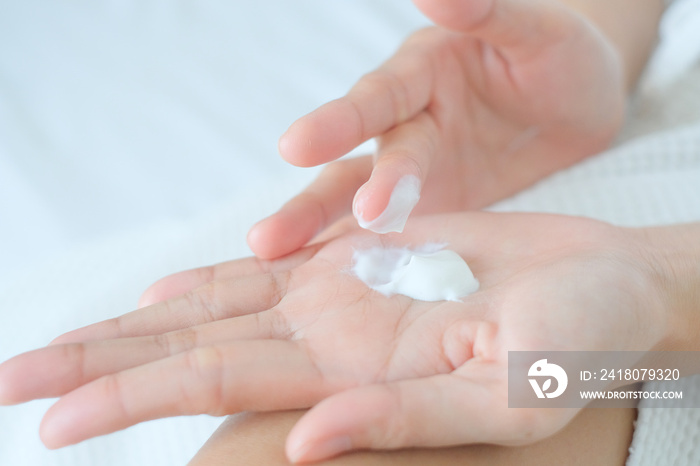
(595, 436)
(630, 25)
(673, 253)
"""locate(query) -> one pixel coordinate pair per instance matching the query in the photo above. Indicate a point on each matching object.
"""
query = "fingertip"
(383, 204)
(321, 136)
(52, 429)
(7, 395)
(72, 419)
(259, 241)
(20, 381)
(313, 438)
(340, 423)
(369, 202)
(49, 433)
(300, 145)
(149, 297)
(175, 285)
(303, 437)
(89, 332)
(68, 337)
(457, 15)
(169, 287)
(310, 453)
(277, 236)
(49, 440)
(291, 145)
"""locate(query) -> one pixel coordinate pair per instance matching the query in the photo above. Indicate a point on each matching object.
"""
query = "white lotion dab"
(427, 274)
(403, 199)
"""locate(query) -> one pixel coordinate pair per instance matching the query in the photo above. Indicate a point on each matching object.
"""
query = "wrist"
(630, 26)
(672, 256)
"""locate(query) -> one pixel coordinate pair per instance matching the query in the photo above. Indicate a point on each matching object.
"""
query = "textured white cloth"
(121, 121)
(668, 436)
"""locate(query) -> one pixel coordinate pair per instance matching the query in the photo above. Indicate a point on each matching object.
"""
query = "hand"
(501, 95)
(382, 372)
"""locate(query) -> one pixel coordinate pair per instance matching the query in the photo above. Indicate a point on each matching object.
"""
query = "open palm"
(388, 371)
(500, 95)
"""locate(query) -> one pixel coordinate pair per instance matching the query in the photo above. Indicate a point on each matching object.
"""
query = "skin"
(595, 436)
(477, 109)
(296, 333)
(497, 96)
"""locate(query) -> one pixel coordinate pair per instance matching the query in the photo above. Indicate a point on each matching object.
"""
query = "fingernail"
(7, 395)
(315, 451)
(358, 211)
(404, 198)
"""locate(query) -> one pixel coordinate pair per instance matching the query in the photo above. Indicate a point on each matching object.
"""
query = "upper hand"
(500, 95)
(383, 372)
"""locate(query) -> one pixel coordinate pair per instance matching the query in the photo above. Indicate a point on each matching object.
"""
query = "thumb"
(441, 410)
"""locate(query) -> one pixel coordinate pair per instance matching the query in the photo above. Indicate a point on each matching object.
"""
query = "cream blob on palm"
(403, 199)
(428, 273)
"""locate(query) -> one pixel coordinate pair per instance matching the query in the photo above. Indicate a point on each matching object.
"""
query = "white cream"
(403, 199)
(429, 273)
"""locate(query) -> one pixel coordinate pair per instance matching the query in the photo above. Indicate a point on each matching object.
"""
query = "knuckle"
(393, 430)
(403, 160)
(385, 82)
(209, 274)
(277, 324)
(204, 301)
(114, 390)
(119, 324)
(278, 284)
(202, 387)
(172, 343)
(262, 266)
(77, 354)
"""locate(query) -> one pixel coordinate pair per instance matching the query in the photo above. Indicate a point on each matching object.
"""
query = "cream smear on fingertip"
(403, 199)
(428, 273)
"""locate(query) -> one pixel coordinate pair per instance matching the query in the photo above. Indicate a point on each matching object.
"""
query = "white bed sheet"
(115, 114)
(133, 132)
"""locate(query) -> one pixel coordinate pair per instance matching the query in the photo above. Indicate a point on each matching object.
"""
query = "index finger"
(395, 92)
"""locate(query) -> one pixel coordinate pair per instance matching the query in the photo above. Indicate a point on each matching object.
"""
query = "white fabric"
(116, 114)
(668, 436)
(137, 138)
(680, 44)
